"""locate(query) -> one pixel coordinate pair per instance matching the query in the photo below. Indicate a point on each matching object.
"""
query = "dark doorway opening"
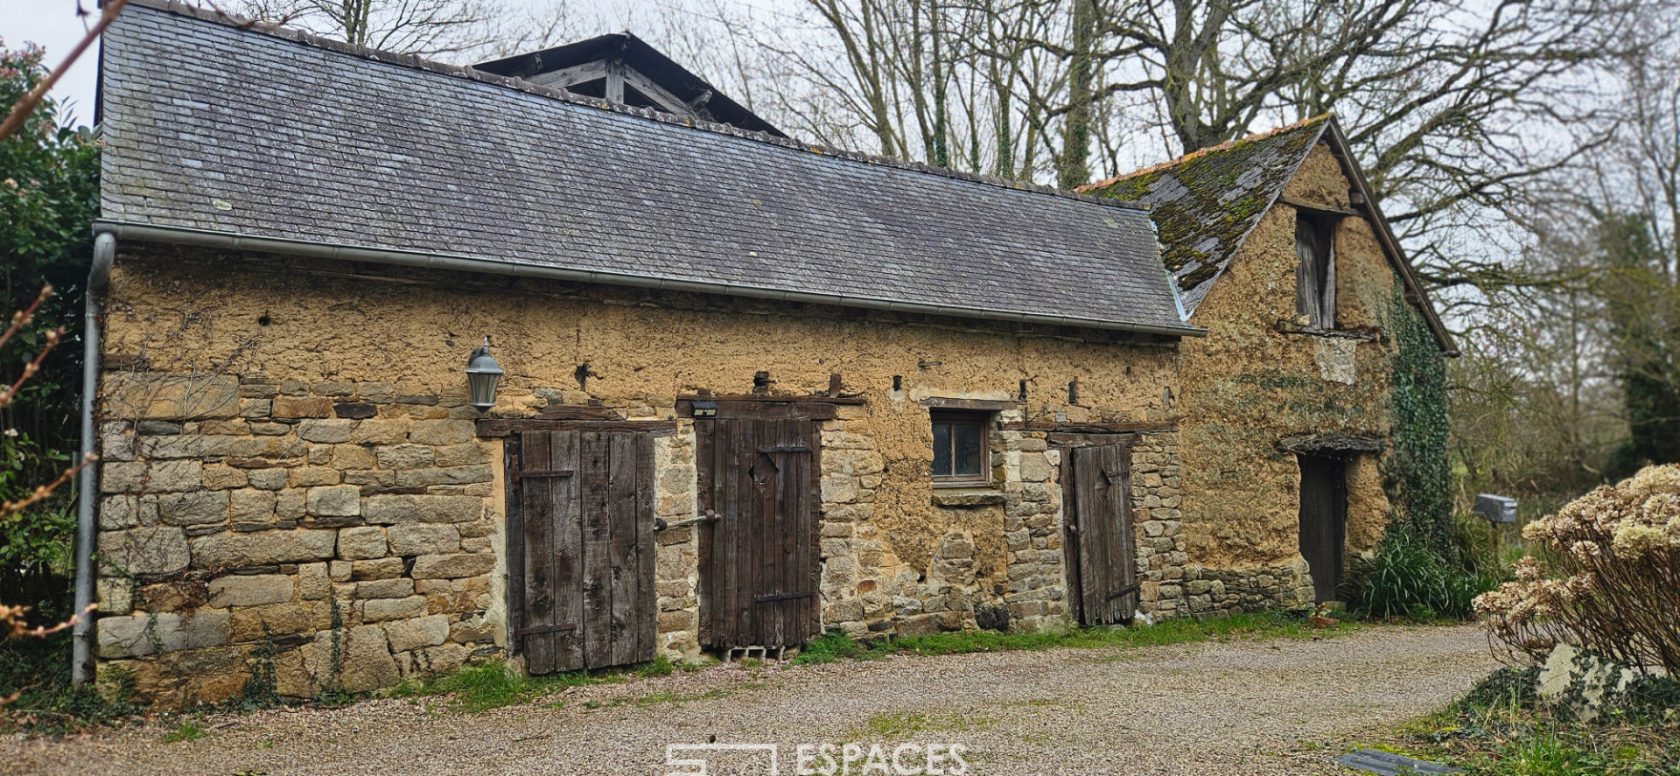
(1324, 521)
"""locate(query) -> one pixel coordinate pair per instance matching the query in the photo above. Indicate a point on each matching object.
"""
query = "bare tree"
(446, 29)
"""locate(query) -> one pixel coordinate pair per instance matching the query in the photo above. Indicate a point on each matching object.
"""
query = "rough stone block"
(442, 432)
(352, 456)
(312, 581)
(377, 568)
(265, 622)
(355, 410)
(399, 509)
(157, 550)
(335, 501)
(361, 543)
(313, 476)
(424, 539)
(200, 508)
(122, 477)
(429, 631)
(453, 566)
(406, 456)
(115, 595)
(263, 548)
(301, 407)
(381, 431)
(467, 454)
(217, 476)
(251, 507)
(366, 663)
(397, 587)
(267, 479)
(119, 512)
(173, 596)
(146, 634)
(166, 396)
(330, 431)
(250, 590)
(459, 475)
(170, 476)
(381, 609)
(434, 660)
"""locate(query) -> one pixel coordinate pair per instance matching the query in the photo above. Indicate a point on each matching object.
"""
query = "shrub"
(1606, 578)
(1406, 578)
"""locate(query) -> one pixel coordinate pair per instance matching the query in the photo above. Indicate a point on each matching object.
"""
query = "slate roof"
(1205, 203)
(276, 134)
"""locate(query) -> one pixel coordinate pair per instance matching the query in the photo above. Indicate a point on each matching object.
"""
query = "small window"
(1315, 274)
(961, 448)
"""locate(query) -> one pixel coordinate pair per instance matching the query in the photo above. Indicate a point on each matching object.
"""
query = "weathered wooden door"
(580, 548)
(1102, 550)
(758, 556)
(1323, 521)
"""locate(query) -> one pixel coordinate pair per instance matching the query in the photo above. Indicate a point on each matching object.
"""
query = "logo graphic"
(817, 760)
(691, 765)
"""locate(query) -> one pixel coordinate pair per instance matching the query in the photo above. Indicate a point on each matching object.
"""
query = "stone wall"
(970, 577)
(1260, 377)
(292, 479)
(677, 557)
(1158, 523)
(342, 532)
(1036, 593)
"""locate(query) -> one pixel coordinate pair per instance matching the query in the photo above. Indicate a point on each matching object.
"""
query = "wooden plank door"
(1101, 548)
(758, 558)
(581, 551)
(1323, 521)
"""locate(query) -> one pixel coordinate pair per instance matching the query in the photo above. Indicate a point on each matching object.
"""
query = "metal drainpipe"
(87, 481)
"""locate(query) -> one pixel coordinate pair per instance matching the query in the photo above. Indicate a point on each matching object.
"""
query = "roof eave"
(205, 238)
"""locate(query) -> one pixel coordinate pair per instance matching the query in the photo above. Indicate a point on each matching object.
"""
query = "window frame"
(954, 417)
(1322, 227)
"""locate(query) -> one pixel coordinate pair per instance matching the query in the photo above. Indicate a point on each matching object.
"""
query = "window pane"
(941, 449)
(968, 448)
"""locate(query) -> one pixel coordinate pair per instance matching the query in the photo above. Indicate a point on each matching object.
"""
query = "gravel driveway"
(1243, 707)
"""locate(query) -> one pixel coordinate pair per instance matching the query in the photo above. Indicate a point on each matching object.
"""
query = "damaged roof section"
(277, 135)
(1206, 203)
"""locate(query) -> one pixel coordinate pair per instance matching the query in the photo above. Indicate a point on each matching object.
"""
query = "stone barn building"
(751, 390)
(1278, 250)
(733, 390)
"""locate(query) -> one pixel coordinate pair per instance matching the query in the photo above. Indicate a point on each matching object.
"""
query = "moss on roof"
(1204, 204)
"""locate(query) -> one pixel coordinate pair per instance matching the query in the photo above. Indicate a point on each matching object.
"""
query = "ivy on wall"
(1417, 474)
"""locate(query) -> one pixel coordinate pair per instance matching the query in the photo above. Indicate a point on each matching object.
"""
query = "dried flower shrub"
(1607, 578)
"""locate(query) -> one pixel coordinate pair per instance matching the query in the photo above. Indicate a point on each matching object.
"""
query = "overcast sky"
(54, 25)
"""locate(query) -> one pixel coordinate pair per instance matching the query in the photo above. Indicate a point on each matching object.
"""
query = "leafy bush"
(1501, 728)
(49, 193)
(38, 670)
(1407, 578)
(1607, 579)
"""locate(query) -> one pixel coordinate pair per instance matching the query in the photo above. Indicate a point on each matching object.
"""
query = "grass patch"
(486, 686)
(908, 724)
(186, 731)
(835, 645)
(1501, 729)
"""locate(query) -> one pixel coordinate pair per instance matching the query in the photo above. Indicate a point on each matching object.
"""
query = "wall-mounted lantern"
(482, 375)
(704, 408)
